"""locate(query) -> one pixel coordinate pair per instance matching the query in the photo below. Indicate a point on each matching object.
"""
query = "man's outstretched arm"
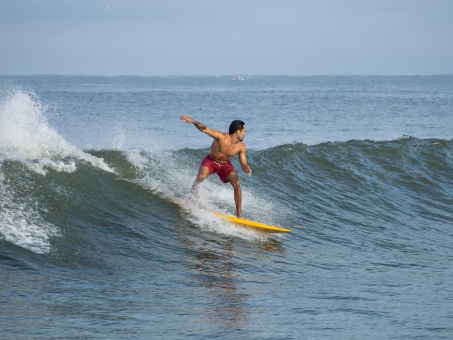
(203, 128)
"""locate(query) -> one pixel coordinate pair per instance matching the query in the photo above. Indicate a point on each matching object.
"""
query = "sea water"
(94, 242)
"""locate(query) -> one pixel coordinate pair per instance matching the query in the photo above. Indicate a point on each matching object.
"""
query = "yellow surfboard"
(253, 224)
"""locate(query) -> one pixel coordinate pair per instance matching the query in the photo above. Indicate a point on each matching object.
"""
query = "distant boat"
(239, 77)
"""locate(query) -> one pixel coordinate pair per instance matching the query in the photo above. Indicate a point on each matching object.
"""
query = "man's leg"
(202, 174)
(234, 180)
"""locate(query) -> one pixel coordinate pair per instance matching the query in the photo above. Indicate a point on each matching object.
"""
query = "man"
(224, 146)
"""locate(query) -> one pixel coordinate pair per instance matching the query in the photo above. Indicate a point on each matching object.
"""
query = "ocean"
(95, 244)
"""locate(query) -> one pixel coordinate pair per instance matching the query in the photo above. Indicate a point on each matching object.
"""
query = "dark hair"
(236, 125)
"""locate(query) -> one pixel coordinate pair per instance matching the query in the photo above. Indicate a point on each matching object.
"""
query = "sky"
(213, 37)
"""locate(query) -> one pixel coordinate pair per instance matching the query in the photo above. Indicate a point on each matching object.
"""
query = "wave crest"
(26, 135)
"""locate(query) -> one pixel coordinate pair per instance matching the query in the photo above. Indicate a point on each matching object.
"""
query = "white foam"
(206, 220)
(21, 223)
(26, 135)
(161, 173)
(39, 166)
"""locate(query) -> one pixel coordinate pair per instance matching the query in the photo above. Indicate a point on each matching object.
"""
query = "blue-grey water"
(95, 244)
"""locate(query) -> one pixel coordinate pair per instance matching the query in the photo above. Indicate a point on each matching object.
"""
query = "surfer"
(224, 146)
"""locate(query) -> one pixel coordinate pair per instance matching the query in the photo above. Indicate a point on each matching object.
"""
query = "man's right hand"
(187, 119)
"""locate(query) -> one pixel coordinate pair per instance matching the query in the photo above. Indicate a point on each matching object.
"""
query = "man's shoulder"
(224, 135)
(240, 147)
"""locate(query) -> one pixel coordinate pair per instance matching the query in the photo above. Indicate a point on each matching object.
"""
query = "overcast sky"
(213, 37)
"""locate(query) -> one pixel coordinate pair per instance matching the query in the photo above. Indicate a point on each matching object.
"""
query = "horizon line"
(219, 76)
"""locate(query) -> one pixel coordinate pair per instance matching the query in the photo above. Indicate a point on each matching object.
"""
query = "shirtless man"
(224, 146)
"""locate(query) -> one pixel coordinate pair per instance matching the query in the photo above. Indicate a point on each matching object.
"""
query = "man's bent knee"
(234, 179)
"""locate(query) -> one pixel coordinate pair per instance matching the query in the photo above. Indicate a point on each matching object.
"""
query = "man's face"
(242, 133)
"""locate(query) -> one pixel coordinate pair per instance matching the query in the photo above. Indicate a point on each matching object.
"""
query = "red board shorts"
(222, 169)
